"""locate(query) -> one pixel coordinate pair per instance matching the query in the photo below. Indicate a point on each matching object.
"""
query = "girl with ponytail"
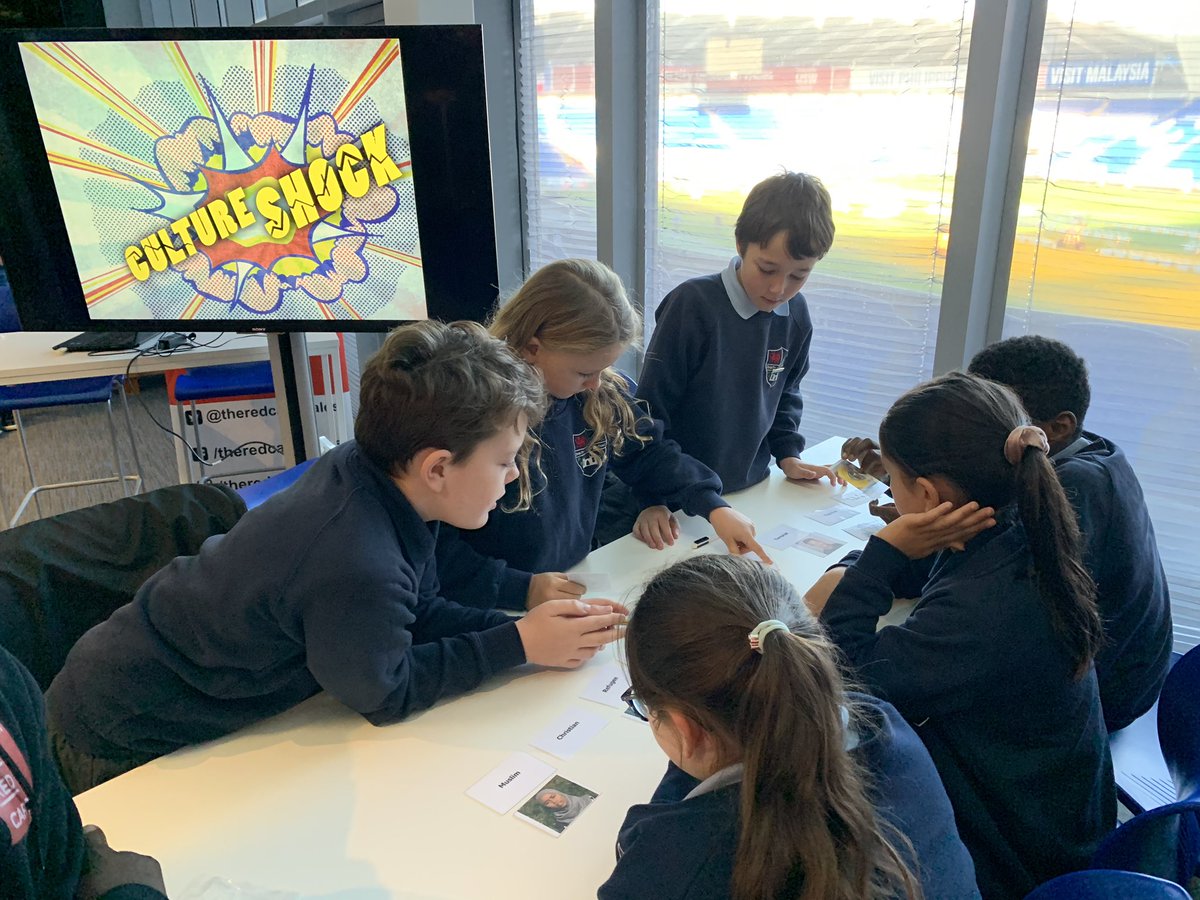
(994, 665)
(782, 784)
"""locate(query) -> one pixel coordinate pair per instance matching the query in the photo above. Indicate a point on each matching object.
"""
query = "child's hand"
(736, 531)
(656, 527)
(802, 471)
(917, 535)
(885, 511)
(551, 586)
(864, 452)
(105, 868)
(567, 633)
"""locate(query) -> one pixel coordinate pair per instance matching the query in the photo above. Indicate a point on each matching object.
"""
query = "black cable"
(183, 348)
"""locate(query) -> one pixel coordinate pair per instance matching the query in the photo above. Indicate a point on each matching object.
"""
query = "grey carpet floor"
(69, 443)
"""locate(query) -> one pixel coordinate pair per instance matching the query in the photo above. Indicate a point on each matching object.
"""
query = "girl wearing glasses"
(781, 783)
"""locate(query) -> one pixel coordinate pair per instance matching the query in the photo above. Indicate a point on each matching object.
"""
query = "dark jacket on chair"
(62, 575)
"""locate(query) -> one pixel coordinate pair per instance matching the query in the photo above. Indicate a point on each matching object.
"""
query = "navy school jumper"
(42, 849)
(727, 386)
(1121, 554)
(492, 565)
(329, 585)
(978, 671)
(678, 847)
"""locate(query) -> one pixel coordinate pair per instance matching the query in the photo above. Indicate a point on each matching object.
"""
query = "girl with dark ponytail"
(782, 784)
(994, 665)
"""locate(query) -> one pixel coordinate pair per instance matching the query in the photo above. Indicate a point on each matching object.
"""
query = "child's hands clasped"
(656, 527)
(796, 470)
(918, 535)
(546, 586)
(567, 633)
(106, 869)
(737, 532)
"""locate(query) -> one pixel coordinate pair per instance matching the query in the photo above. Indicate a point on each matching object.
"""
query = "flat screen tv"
(266, 179)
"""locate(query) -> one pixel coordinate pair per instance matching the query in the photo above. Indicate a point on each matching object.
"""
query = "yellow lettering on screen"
(383, 168)
(277, 223)
(355, 181)
(154, 253)
(299, 198)
(222, 220)
(326, 187)
(136, 260)
(237, 202)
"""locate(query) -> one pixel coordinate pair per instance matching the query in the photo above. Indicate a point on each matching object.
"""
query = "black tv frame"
(443, 71)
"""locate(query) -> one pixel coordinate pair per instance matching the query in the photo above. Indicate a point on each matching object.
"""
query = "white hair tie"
(762, 629)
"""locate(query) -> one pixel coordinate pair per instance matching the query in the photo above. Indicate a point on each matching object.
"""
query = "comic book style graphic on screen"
(251, 180)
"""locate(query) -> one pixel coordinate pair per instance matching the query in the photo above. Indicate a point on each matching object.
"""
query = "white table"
(26, 357)
(318, 802)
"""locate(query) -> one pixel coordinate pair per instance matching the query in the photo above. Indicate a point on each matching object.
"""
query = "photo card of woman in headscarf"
(556, 804)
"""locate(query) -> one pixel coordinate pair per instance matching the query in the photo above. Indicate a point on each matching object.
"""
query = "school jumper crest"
(774, 364)
(590, 461)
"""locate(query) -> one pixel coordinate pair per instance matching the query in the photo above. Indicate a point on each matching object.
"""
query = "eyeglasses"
(636, 706)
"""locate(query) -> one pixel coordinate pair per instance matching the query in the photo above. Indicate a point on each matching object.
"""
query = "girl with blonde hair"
(571, 320)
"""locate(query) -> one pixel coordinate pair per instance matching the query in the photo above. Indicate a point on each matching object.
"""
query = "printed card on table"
(818, 544)
(832, 515)
(510, 782)
(595, 584)
(569, 732)
(556, 805)
(781, 536)
(607, 687)
(863, 530)
(852, 496)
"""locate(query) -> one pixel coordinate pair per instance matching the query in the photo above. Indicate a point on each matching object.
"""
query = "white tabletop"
(319, 803)
(27, 356)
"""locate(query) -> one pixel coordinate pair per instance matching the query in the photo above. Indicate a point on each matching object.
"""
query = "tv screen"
(245, 179)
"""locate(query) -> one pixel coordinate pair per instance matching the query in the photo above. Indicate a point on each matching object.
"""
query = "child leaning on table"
(993, 667)
(723, 368)
(570, 321)
(782, 783)
(331, 585)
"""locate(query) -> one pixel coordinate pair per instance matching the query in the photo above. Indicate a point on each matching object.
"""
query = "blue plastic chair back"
(233, 380)
(261, 491)
(1096, 884)
(1164, 842)
(1179, 725)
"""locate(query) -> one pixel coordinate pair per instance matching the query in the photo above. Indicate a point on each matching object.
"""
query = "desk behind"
(318, 802)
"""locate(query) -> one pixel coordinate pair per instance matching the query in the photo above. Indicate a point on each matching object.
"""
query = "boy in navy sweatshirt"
(1119, 548)
(331, 585)
(723, 368)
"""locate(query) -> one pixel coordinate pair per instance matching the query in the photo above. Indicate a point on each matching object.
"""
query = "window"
(1107, 254)
(870, 103)
(558, 99)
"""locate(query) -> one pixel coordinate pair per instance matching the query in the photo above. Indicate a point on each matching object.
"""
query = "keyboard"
(92, 341)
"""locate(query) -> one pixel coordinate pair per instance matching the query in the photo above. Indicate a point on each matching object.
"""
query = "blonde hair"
(446, 386)
(808, 827)
(578, 306)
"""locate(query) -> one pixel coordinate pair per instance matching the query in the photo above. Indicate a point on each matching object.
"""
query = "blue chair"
(1094, 884)
(215, 382)
(69, 392)
(1143, 780)
(259, 492)
(1165, 840)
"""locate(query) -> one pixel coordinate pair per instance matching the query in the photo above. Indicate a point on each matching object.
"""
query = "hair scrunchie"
(1021, 437)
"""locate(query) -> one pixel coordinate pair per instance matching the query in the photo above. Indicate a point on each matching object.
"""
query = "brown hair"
(791, 202)
(955, 426)
(578, 306)
(445, 386)
(808, 828)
